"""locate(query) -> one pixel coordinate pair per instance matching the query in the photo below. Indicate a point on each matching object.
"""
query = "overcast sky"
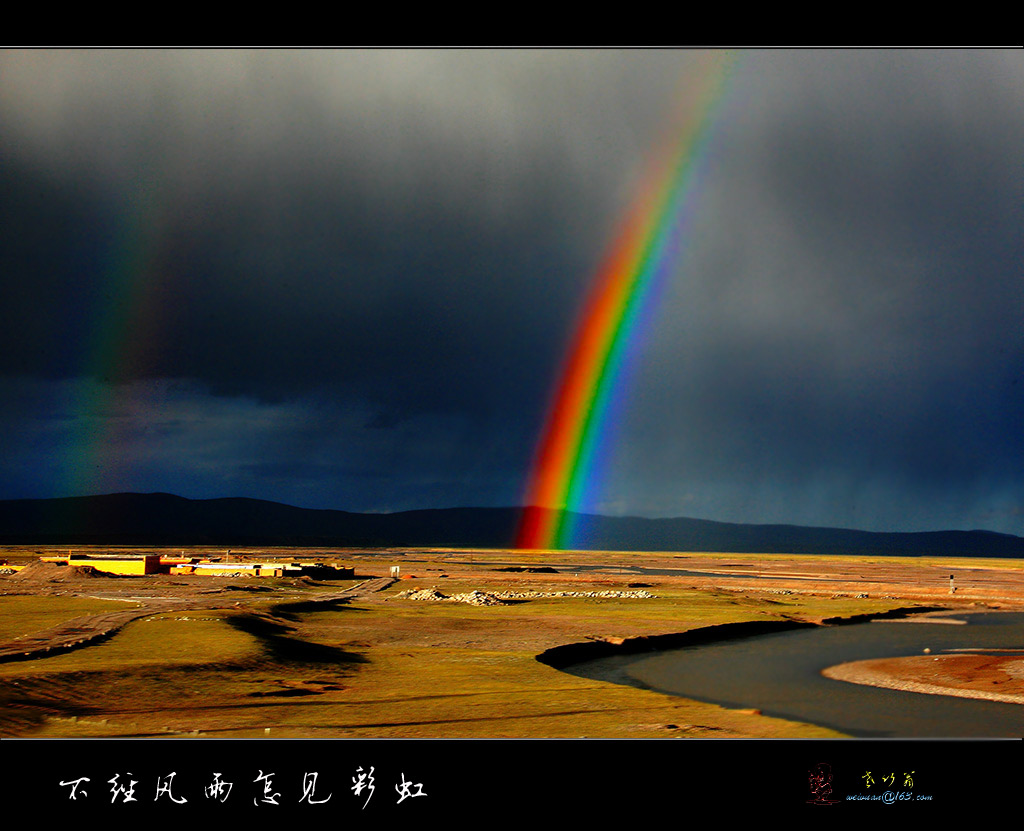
(345, 279)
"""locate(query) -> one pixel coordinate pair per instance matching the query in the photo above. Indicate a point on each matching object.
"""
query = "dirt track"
(87, 629)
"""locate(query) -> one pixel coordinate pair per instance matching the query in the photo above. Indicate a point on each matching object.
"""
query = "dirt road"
(88, 629)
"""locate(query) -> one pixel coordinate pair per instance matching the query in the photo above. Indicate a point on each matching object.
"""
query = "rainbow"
(560, 481)
(120, 326)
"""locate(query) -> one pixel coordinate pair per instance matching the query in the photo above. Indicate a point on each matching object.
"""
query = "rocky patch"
(482, 598)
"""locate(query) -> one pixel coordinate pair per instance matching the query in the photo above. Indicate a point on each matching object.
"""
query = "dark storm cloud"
(345, 279)
(847, 331)
(414, 227)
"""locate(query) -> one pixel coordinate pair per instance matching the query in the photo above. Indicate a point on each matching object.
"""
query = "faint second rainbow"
(575, 425)
(120, 327)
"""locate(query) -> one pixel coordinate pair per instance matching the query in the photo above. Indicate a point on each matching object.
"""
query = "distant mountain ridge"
(164, 519)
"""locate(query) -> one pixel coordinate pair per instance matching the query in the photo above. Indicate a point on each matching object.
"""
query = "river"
(780, 674)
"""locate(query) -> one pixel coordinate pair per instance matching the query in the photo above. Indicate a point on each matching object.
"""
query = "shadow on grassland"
(277, 639)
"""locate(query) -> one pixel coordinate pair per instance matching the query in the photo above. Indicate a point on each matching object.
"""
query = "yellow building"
(137, 564)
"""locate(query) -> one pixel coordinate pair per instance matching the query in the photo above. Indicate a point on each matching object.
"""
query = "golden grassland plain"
(252, 657)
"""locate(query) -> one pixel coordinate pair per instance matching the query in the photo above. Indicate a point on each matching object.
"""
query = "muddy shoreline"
(565, 655)
(988, 678)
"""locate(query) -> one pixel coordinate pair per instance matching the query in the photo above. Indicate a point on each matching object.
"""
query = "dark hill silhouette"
(163, 519)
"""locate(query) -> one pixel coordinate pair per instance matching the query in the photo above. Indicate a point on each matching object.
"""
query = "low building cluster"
(141, 564)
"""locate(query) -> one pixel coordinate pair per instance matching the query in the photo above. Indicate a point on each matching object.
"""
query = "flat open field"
(373, 658)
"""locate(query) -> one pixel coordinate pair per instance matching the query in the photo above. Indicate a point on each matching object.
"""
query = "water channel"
(780, 674)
